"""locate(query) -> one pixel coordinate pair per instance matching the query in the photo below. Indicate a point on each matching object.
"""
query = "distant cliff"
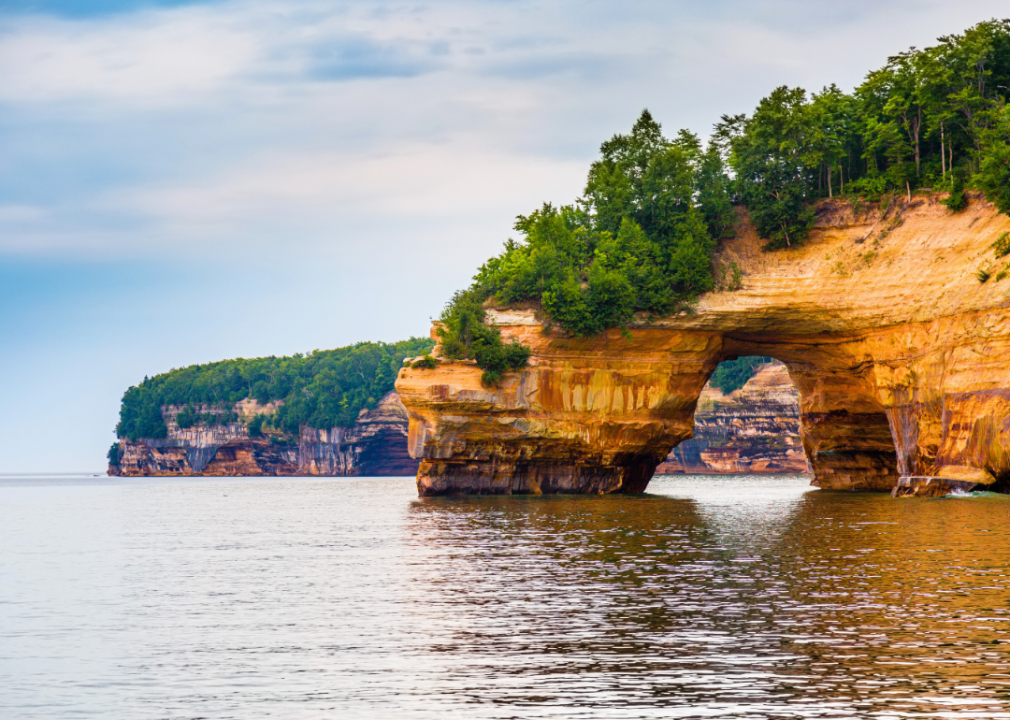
(755, 429)
(375, 445)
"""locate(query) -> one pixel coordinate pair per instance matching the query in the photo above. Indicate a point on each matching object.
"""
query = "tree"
(770, 157)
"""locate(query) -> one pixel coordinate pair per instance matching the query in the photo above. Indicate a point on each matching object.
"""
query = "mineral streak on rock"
(375, 445)
(755, 429)
(900, 356)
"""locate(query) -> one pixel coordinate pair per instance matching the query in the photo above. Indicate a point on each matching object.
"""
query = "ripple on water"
(734, 597)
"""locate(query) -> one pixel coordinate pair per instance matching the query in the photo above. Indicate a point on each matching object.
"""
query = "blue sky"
(183, 182)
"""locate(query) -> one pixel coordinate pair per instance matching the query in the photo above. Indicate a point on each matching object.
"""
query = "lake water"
(711, 597)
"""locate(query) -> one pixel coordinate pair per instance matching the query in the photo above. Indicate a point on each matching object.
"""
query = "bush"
(1001, 247)
(114, 454)
(983, 275)
(736, 279)
(465, 336)
(733, 374)
(187, 418)
(956, 201)
(425, 363)
(255, 425)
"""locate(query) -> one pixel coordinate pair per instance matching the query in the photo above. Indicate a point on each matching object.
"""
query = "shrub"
(187, 418)
(255, 425)
(736, 280)
(733, 374)
(114, 454)
(465, 336)
(956, 201)
(425, 363)
(983, 275)
(1002, 245)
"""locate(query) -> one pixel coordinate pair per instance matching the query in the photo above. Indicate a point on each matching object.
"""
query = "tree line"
(321, 389)
(642, 236)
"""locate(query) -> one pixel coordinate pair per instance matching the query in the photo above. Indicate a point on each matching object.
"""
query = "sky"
(183, 181)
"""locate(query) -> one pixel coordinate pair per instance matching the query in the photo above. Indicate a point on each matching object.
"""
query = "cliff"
(375, 445)
(901, 358)
(755, 429)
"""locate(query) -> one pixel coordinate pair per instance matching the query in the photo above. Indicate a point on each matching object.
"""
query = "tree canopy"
(642, 236)
(321, 389)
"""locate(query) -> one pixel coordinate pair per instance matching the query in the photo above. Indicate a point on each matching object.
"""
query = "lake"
(710, 597)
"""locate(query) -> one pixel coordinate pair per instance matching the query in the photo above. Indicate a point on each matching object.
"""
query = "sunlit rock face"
(375, 445)
(901, 358)
(754, 429)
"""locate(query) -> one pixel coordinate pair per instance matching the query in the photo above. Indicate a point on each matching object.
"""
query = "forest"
(321, 389)
(642, 237)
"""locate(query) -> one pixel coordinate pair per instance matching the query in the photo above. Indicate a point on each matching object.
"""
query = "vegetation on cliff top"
(642, 236)
(733, 374)
(321, 389)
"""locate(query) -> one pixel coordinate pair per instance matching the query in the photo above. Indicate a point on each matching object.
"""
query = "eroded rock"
(374, 446)
(900, 356)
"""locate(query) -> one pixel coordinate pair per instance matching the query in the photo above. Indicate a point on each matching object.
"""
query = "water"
(737, 597)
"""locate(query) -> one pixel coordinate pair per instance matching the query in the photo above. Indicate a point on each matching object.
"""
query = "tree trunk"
(918, 123)
(943, 158)
(829, 182)
(909, 189)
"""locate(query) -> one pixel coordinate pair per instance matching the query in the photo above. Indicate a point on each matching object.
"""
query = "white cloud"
(155, 57)
(145, 132)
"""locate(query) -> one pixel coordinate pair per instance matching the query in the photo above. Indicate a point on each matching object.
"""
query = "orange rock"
(900, 356)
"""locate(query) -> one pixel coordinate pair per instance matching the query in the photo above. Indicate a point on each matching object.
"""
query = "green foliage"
(994, 176)
(736, 277)
(189, 417)
(639, 240)
(464, 335)
(983, 275)
(255, 425)
(1001, 247)
(733, 374)
(114, 455)
(770, 154)
(425, 363)
(957, 200)
(642, 237)
(321, 389)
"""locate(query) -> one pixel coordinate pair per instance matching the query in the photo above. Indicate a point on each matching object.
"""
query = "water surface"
(714, 597)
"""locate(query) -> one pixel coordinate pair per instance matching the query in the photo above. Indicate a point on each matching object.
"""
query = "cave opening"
(747, 420)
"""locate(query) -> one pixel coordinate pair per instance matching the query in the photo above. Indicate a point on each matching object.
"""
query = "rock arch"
(900, 355)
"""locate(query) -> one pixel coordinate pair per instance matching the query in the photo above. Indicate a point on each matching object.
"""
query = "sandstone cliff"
(900, 355)
(755, 429)
(374, 446)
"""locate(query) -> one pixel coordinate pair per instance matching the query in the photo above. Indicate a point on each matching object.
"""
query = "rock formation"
(900, 355)
(374, 446)
(755, 429)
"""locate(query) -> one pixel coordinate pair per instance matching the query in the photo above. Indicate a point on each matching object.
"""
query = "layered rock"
(754, 429)
(901, 358)
(374, 446)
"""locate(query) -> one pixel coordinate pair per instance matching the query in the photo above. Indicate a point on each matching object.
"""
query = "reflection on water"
(739, 597)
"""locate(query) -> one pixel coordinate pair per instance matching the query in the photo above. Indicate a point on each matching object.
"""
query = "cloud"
(157, 57)
(144, 132)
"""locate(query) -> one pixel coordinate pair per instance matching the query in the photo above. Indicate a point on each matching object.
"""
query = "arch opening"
(747, 420)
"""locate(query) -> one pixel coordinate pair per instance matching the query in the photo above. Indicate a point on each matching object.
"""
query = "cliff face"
(755, 429)
(901, 358)
(376, 445)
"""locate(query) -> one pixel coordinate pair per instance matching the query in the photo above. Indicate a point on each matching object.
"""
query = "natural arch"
(901, 358)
